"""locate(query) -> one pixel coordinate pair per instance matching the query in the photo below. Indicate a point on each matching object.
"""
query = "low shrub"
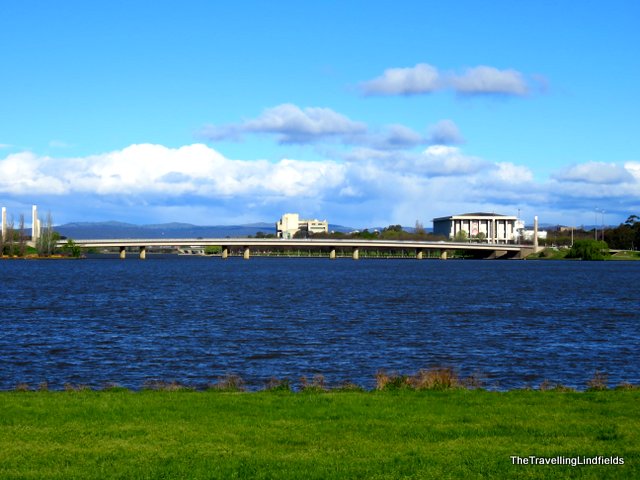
(317, 384)
(228, 383)
(598, 382)
(392, 381)
(276, 385)
(435, 379)
(162, 385)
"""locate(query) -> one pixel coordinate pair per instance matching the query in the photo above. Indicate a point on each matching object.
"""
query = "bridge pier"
(247, 253)
(123, 253)
(443, 254)
(332, 254)
(143, 253)
(356, 253)
(225, 252)
(419, 254)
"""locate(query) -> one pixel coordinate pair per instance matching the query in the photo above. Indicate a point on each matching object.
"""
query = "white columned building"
(490, 227)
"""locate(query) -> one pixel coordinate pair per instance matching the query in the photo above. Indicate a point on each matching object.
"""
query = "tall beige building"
(291, 223)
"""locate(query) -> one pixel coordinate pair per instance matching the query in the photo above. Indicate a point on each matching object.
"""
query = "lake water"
(196, 319)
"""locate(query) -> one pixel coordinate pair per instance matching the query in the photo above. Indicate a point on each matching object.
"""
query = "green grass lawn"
(626, 255)
(401, 434)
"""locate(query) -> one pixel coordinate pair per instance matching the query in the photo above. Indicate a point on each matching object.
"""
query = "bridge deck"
(295, 243)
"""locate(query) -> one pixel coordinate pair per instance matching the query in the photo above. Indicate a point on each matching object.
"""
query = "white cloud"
(25, 173)
(513, 174)
(422, 78)
(155, 169)
(391, 137)
(489, 80)
(449, 161)
(197, 183)
(445, 132)
(292, 124)
(596, 173)
(633, 168)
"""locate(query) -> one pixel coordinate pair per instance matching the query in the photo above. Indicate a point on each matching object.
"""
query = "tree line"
(16, 242)
(392, 232)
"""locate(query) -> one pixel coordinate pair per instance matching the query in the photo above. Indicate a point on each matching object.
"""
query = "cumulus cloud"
(424, 78)
(391, 137)
(489, 80)
(291, 124)
(633, 168)
(596, 173)
(158, 170)
(439, 160)
(445, 132)
(513, 174)
(24, 173)
(366, 187)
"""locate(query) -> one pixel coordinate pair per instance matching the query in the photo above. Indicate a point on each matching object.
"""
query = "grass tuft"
(277, 385)
(598, 382)
(228, 383)
(161, 385)
(627, 386)
(317, 384)
(392, 381)
(547, 386)
(348, 386)
(435, 379)
(70, 387)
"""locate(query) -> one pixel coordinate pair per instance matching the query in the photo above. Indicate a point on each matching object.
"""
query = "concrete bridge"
(481, 250)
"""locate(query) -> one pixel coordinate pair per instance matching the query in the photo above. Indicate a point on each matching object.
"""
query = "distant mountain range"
(101, 230)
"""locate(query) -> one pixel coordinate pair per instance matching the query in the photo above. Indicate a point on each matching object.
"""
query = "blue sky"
(363, 113)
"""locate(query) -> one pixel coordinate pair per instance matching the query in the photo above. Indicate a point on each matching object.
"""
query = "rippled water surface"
(195, 319)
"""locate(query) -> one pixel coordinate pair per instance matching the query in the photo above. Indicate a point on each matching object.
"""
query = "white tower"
(35, 230)
(4, 224)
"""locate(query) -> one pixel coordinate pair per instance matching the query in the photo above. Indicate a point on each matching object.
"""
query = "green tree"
(301, 234)
(625, 236)
(461, 236)
(10, 239)
(46, 243)
(481, 236)
(22, 239)
(589, 250)
(73, 249)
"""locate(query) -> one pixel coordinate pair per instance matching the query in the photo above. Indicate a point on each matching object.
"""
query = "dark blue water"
(194, 320)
